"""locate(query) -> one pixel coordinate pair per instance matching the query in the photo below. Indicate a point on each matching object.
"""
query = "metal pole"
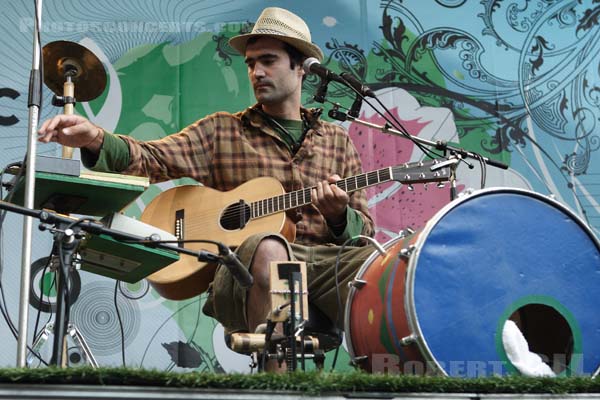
(34, 108)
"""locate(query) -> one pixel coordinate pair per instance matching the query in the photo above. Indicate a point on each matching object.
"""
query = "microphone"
(358, 85)
(239, 272)
(312, 66)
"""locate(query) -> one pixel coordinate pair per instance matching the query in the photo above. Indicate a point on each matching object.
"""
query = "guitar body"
(257, 206)
(195, 212)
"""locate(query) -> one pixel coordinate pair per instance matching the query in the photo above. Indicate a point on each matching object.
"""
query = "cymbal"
(62, 59)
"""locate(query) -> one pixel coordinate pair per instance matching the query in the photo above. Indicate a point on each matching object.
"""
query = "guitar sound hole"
(235, 216)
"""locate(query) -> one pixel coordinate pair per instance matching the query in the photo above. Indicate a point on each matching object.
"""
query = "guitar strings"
(263, 207)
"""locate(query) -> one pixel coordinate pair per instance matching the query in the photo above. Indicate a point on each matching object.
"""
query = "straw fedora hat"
(282, 25)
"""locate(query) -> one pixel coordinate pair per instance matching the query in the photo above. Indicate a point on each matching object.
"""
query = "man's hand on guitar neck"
(331, 201)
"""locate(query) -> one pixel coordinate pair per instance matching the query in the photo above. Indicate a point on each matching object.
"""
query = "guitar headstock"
(421, 172)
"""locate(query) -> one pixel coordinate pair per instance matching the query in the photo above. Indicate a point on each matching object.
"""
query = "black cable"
(150, 241)
(191, 339)
(4, 311)
(12, 327)
(41, 56)
(268, 334)
(63, 273)
(483, 167)
(39, 310)
(396, 123)
(11, 191)
(338, 294)
(170, 317)
(120, 324)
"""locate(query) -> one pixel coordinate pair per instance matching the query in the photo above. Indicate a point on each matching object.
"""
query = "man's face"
(269, 72)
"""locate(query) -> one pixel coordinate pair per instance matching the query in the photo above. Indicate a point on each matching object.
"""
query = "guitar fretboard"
(302, 197)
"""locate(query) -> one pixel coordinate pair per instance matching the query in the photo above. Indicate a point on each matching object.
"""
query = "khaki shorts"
(226, 300)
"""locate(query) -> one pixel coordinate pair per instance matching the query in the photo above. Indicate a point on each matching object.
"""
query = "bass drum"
(437, 302)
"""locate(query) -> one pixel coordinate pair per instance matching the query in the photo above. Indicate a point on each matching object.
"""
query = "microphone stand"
(457, 153)
(34, 108)
(68, 233)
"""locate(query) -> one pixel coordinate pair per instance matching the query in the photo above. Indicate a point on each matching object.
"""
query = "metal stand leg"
(76, 338)
(67, 241)
(82, 345)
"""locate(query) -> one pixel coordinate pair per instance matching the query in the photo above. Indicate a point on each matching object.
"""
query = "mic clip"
(335, 113)
(355, 109)
(321, 91)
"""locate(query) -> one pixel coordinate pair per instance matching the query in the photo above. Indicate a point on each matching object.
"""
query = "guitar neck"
(302, 197)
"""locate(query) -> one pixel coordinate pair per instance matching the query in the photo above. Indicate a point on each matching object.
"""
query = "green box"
(95, 194)
(128, 262)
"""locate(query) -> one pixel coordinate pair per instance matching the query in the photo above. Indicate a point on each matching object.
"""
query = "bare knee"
(267, 251)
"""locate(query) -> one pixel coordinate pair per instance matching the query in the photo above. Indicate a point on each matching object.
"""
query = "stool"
(320, 326)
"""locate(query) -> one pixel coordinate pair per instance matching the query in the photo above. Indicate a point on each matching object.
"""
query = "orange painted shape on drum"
(371, 329)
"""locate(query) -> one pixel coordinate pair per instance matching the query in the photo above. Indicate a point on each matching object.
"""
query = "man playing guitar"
(276, 137)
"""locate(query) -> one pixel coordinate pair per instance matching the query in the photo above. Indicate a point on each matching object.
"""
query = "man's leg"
(258, 305)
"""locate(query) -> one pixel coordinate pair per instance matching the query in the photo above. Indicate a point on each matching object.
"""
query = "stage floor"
(28, 391)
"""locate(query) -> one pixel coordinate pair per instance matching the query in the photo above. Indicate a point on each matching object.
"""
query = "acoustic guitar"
(198, 212)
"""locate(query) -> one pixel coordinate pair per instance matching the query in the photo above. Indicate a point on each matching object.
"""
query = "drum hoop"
(353, 290)
(409, 300)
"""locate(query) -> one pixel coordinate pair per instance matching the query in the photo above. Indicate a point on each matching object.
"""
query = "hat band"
(292, 33)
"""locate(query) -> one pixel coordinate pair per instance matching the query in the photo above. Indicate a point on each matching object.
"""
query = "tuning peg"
(441, 184)
(410, 187)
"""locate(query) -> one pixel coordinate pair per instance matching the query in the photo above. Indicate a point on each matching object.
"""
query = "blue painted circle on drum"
(479, 255)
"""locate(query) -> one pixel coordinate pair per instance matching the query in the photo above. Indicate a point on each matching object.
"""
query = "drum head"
(489, 254)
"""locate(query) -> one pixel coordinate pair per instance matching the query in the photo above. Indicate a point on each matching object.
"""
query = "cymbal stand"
(34, 109)
(67, 100)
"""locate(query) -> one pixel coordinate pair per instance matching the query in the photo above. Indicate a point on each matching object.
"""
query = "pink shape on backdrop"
(404, 208)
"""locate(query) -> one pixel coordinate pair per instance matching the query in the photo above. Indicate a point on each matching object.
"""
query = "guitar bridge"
(178, 228)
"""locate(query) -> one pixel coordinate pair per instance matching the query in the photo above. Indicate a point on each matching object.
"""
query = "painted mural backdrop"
(516, 81)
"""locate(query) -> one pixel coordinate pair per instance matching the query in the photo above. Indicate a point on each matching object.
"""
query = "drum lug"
(406, 252)
(408, 340)
(405, 232)
(357, 283)
(356, 361)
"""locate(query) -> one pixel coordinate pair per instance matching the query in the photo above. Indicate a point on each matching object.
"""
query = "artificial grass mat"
(306, 382)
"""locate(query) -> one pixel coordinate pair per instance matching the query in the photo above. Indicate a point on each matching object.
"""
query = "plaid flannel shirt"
(224, 150)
